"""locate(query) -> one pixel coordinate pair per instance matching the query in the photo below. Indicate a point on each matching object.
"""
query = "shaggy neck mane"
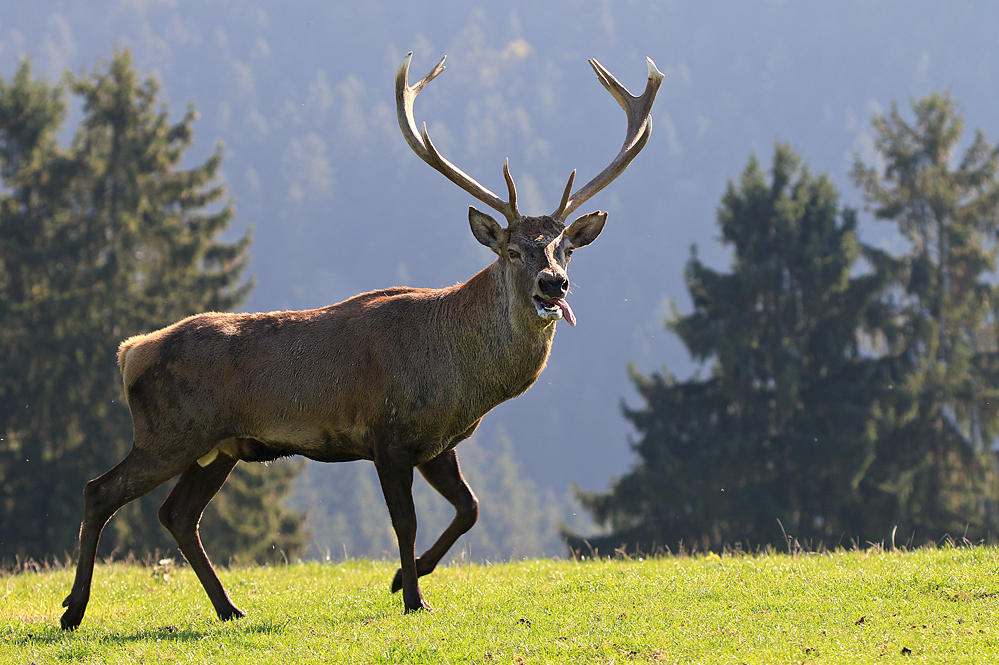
(495, 331)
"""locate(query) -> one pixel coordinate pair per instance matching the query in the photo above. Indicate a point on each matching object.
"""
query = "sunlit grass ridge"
(935, 605)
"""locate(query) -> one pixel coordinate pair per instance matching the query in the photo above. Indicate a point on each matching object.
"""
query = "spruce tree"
(774, 441)
(36, 267)
(934, 472)
(107, 238)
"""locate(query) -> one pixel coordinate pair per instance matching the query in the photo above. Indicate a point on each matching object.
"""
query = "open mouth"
(554, 309)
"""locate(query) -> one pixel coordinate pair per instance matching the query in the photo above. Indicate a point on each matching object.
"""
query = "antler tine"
(421, 144)
(638, 110)
(511, 189)
(565, 198)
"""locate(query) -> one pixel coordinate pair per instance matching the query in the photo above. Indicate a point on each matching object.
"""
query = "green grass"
(932, 605)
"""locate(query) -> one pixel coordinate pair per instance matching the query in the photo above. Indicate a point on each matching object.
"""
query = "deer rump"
(397, 376)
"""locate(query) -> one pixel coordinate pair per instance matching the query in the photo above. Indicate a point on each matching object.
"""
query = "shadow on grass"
(175, 634)
(49, 635)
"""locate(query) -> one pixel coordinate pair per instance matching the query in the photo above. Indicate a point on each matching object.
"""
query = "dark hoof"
(71, 619)
(232, 613)
(397, 581)
(424, 606)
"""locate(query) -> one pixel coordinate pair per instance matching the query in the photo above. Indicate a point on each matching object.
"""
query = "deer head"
(534, 251)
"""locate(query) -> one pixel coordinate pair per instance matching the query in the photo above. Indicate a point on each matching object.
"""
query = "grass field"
(928, 605)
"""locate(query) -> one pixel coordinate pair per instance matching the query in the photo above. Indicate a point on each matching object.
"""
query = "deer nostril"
(553, 287)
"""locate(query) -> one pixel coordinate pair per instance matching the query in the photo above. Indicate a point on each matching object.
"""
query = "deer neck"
(501, 340)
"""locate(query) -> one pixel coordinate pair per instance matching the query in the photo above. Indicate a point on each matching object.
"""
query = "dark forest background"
(855, 255)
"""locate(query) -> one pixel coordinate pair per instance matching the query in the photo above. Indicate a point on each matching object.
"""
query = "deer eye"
(514, 254)
(568, 253)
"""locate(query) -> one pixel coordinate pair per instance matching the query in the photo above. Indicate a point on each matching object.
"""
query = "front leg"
(444, 475)
(395, 473)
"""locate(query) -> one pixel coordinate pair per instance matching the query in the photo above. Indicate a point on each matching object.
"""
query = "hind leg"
(134, 476)
(181, 514)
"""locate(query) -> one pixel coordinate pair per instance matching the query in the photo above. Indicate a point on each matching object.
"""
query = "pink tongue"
(566, 310)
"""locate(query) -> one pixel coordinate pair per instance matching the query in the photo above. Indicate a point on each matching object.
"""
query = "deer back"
(415, 365)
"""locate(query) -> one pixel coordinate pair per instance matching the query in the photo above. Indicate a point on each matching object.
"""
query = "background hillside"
(301, 96)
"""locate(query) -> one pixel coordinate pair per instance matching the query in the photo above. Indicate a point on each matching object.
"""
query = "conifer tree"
(935, 467)
(36, 266)
(776, 439)
(98, 241)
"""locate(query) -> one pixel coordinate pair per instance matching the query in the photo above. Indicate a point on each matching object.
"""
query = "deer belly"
(290, 438)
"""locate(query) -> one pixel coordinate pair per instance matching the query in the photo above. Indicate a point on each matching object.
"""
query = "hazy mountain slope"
(302, 97)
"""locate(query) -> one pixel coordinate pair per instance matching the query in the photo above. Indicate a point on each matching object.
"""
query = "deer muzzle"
(551, 304)
(555, 309)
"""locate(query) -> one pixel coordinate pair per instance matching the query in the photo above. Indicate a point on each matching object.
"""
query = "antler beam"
(421, 144)
(638, 110)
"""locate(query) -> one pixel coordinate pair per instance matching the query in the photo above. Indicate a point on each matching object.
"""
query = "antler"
(421, 144)
(639, 110)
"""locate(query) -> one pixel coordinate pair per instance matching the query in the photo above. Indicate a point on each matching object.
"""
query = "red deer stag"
(397, 376)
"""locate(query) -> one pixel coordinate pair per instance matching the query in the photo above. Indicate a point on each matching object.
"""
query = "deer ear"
(585, 229)
(486, 230)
